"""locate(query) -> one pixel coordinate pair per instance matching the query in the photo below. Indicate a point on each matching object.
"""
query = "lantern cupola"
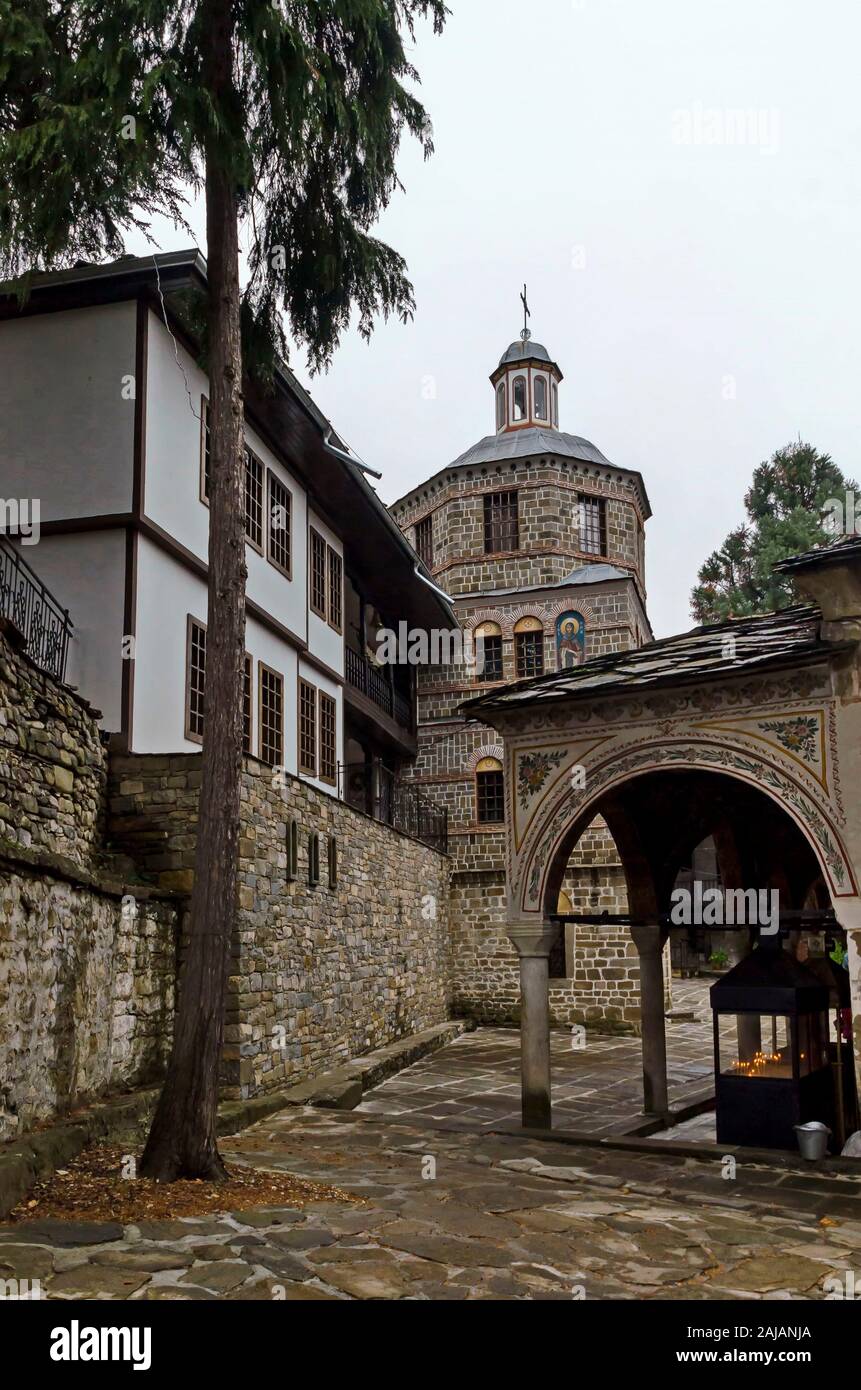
(526, 384)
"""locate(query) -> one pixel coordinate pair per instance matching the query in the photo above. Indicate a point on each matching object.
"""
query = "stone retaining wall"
(321, 973)
(53, 766)
(86, 992)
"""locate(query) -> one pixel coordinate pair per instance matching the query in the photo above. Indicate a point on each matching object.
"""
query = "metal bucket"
(812, 1139)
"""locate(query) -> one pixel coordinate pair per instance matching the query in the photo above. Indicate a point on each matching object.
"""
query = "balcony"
(33, 612)
(374, 695)
(371, 787)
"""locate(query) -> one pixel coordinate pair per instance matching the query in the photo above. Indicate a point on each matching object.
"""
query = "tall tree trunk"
(182, 1141)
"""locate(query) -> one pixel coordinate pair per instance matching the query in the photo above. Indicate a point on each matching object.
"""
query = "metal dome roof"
(521, 352)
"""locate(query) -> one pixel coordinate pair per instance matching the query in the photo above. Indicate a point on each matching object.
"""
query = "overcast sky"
(695, 277)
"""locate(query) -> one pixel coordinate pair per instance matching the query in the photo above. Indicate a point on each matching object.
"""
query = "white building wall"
(172, 490)
(167, 593)
(86, 575)
(66, 412)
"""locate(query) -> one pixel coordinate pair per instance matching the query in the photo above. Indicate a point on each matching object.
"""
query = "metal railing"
(373, 681)
(33, 610)
(374, 789)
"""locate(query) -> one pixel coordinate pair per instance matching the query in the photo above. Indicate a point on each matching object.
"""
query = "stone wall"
(549, 545)
(53, 766)
(320, 973)
(86, 991)
(87, 960)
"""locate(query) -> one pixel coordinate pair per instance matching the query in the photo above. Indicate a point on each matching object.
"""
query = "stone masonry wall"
(86, 992)
(320, 973)
(549, 545)
(53, 766)
(87, 960)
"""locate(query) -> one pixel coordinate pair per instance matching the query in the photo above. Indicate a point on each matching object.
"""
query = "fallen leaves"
(93, 1188)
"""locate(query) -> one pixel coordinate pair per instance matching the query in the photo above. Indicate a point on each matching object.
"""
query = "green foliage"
(309, 133)
(787, 513)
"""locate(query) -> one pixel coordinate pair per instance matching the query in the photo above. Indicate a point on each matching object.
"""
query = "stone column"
(649, 942)
(532, 941)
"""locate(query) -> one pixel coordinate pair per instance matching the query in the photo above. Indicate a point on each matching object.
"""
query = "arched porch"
(749, 733)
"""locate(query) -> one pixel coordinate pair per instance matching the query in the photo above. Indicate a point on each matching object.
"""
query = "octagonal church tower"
(540, 541)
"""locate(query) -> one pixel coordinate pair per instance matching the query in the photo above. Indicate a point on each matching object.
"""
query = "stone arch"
(558, 826)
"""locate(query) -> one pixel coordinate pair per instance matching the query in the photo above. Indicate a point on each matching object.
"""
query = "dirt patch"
(92, 1187)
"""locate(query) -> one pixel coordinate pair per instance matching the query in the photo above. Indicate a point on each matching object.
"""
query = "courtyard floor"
(452, 1210)
(597, 1086)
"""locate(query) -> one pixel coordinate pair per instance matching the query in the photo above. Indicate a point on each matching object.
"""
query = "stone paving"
(597, 1089)
(469, 1215)
(453, 1211)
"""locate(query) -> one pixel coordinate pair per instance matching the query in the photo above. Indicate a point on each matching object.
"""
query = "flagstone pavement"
(452, 1210)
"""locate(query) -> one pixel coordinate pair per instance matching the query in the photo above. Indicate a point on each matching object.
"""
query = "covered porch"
(748, 732)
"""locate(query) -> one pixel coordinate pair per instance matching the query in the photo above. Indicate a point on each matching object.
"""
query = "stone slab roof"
(789, 638)
(599, 573)
(847, 549)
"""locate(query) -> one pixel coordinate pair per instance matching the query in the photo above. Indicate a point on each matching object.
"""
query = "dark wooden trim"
(127, 689)
(141, 356)
(204, 412)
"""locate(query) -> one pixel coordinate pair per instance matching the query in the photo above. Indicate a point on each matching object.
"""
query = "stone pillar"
(650, 942)
(532, 941)
(848, 913)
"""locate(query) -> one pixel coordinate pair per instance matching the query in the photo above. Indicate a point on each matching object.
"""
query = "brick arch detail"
(487, 750)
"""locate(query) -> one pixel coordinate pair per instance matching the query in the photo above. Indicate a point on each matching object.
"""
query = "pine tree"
(789, 509)
(288, 116)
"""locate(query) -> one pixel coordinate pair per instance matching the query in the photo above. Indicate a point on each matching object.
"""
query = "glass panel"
(755, 1045)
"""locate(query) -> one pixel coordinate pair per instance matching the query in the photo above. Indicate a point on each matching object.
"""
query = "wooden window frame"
(586, 500)
(270, 671)
(306, 769)
(248, 704)
(204, 449)
(424, 540)
(490, 772)
(335, 616)
(192, 622)
(251, 458)
(333, 861)
(324, 698)
(313, 534)
(272, 478)
(494, 512)
(483, 674)
(532, 637)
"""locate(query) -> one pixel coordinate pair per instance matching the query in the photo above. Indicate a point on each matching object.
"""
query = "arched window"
(540, 398)
(500, 405)
(555, 399)
(529, 648)
(520, 398)
(487, 638)
(489, 792)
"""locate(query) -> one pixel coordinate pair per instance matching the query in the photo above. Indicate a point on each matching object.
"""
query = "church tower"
(539, 540)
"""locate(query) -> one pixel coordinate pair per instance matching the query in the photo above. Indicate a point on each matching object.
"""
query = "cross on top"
(527, 314)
